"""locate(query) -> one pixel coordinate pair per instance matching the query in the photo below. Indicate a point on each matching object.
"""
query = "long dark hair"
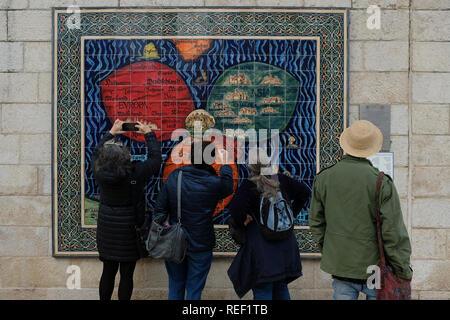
(113, 158)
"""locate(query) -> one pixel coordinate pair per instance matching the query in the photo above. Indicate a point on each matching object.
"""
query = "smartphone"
(129, 126)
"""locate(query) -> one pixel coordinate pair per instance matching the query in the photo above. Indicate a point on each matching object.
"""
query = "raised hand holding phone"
(143, 128)
(117, 128)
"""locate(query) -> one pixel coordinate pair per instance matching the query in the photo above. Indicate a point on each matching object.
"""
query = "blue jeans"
(345, 290)
(271, 291)
(189, 277)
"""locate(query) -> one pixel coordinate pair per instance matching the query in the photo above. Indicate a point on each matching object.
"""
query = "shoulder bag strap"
(132, 191)
(180, 175)
(377, 208)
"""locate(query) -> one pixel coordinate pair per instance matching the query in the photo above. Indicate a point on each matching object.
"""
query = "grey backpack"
(168, 242)
(276, 217)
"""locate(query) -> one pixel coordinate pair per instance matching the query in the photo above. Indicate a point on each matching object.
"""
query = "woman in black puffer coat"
(122, 206)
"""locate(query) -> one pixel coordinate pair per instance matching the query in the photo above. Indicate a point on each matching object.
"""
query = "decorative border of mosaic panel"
(329, 26)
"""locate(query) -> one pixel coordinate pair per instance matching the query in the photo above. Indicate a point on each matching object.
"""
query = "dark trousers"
(110, 269)
(187, 279)
(271, 291)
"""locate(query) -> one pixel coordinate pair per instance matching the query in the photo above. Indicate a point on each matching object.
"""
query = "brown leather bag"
(392, 287)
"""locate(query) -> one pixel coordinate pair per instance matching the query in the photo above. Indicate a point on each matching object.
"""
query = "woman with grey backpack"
(195, 190)
(269, 258)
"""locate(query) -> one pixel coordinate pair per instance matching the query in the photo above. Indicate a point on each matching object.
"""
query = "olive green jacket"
(342, 220)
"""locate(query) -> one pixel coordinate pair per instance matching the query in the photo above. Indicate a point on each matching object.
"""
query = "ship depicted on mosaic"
(229, 69)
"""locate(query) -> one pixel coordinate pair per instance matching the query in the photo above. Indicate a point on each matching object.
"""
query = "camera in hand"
(129, 126)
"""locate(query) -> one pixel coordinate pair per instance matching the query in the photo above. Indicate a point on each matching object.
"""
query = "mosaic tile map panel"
(249, 69)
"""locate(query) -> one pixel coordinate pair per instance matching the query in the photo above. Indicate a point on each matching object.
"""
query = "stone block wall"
(405, 63)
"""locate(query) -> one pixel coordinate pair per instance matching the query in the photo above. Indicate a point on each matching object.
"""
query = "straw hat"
(362, 139)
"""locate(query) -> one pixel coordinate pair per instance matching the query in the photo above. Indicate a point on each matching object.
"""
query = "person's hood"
(108, 177)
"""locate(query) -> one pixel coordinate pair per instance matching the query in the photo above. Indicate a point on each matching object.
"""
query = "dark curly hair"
(113, 158)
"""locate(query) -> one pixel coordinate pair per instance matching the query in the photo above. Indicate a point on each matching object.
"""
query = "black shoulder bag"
(168, 242)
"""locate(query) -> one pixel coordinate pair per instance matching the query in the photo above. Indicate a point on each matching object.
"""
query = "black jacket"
(200, 193)
(122, 204)
(258, 260)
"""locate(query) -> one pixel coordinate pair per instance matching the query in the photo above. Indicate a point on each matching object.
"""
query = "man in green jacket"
(342, 217)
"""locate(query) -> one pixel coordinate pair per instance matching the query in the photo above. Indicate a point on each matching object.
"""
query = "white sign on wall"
(384, 161)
